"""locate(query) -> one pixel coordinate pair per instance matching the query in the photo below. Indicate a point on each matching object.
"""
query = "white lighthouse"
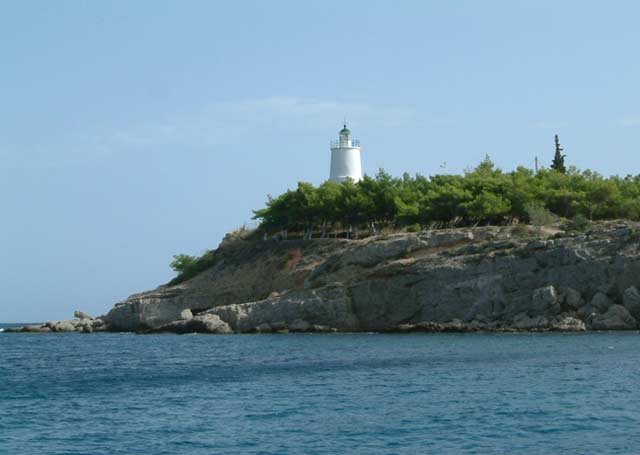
(345, 158)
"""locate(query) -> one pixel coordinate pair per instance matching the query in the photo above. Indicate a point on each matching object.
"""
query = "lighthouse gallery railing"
(336, 144)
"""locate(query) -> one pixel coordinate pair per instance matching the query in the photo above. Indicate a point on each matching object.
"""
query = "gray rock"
(329, 305)
(186, 314)
(616, 318)
(631, 301)
(382, 283)
(299, 325)
(202, 323)
(264, 328)
(544, 300)
(586, 311)
(571, 298)
(538, 244)
(322, 328)
(35, 329)
(85, 327)
(62, 326)
(279, 326)
(98, 323)
(446, 238)
(568, 324)
(601, 302)
(524, 322)
(81, 315)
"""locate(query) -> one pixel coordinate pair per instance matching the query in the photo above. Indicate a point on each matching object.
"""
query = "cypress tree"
(558, 159)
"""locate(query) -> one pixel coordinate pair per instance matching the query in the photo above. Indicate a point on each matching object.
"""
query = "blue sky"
(133, 131)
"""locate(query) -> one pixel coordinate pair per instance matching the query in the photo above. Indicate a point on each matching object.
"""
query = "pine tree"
(558, 159)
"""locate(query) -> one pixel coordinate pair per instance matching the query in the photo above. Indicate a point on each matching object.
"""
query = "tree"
(558, 159)
(484, 194)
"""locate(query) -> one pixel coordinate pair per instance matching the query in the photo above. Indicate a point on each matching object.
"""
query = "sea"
(364, 393)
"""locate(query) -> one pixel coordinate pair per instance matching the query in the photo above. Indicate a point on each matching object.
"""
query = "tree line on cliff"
(483, 195)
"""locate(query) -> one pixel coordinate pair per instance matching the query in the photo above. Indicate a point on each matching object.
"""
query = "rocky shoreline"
(494, 279)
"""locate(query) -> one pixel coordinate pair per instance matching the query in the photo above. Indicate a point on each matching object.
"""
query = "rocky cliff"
(489, 278)
(466, 279)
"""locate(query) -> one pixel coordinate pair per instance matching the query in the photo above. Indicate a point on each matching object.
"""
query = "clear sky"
(133, 131)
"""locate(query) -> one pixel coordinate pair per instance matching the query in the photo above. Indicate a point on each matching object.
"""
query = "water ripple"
(319, 394)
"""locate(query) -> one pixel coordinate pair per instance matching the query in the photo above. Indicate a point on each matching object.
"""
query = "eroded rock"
(544, 300)
(568, 324)
(476, 276)
(617, 317)
(202, 323)
(600, 302)
(631, 301)
(81, 315)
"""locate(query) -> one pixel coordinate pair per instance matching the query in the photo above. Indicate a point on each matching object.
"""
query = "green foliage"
(189, 266)
(182, 262)
(484, 194)
(539, 215)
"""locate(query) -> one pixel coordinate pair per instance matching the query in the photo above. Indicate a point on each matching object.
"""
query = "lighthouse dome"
(345, 130)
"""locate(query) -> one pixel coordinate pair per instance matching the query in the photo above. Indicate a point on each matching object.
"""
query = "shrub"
(189, 266)
(539, 215)
(579, 223)
(183, 262)
(415, 227)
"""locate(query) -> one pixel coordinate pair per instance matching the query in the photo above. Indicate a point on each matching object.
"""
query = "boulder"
(62, 326)
(277, 326)
(98, 324)
(617, 317)
(455, 325)
(586, 311)
(264, 328)
(322, 328)
(631, 301)
(35, 329)
(600, 302)
(299, 325)
(85, 326)
(81, 315)
(202, 323)
(544, 300)
(571, 298)
(524, 322)
(186, 314)
(405, 328)
(568, 324)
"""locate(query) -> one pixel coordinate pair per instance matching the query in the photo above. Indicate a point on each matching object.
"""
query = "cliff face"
(464, 279)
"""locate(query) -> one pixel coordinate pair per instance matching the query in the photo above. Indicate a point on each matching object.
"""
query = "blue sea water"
(320, 394)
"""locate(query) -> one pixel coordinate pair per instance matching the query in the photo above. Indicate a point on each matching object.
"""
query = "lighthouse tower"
(345, 158)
